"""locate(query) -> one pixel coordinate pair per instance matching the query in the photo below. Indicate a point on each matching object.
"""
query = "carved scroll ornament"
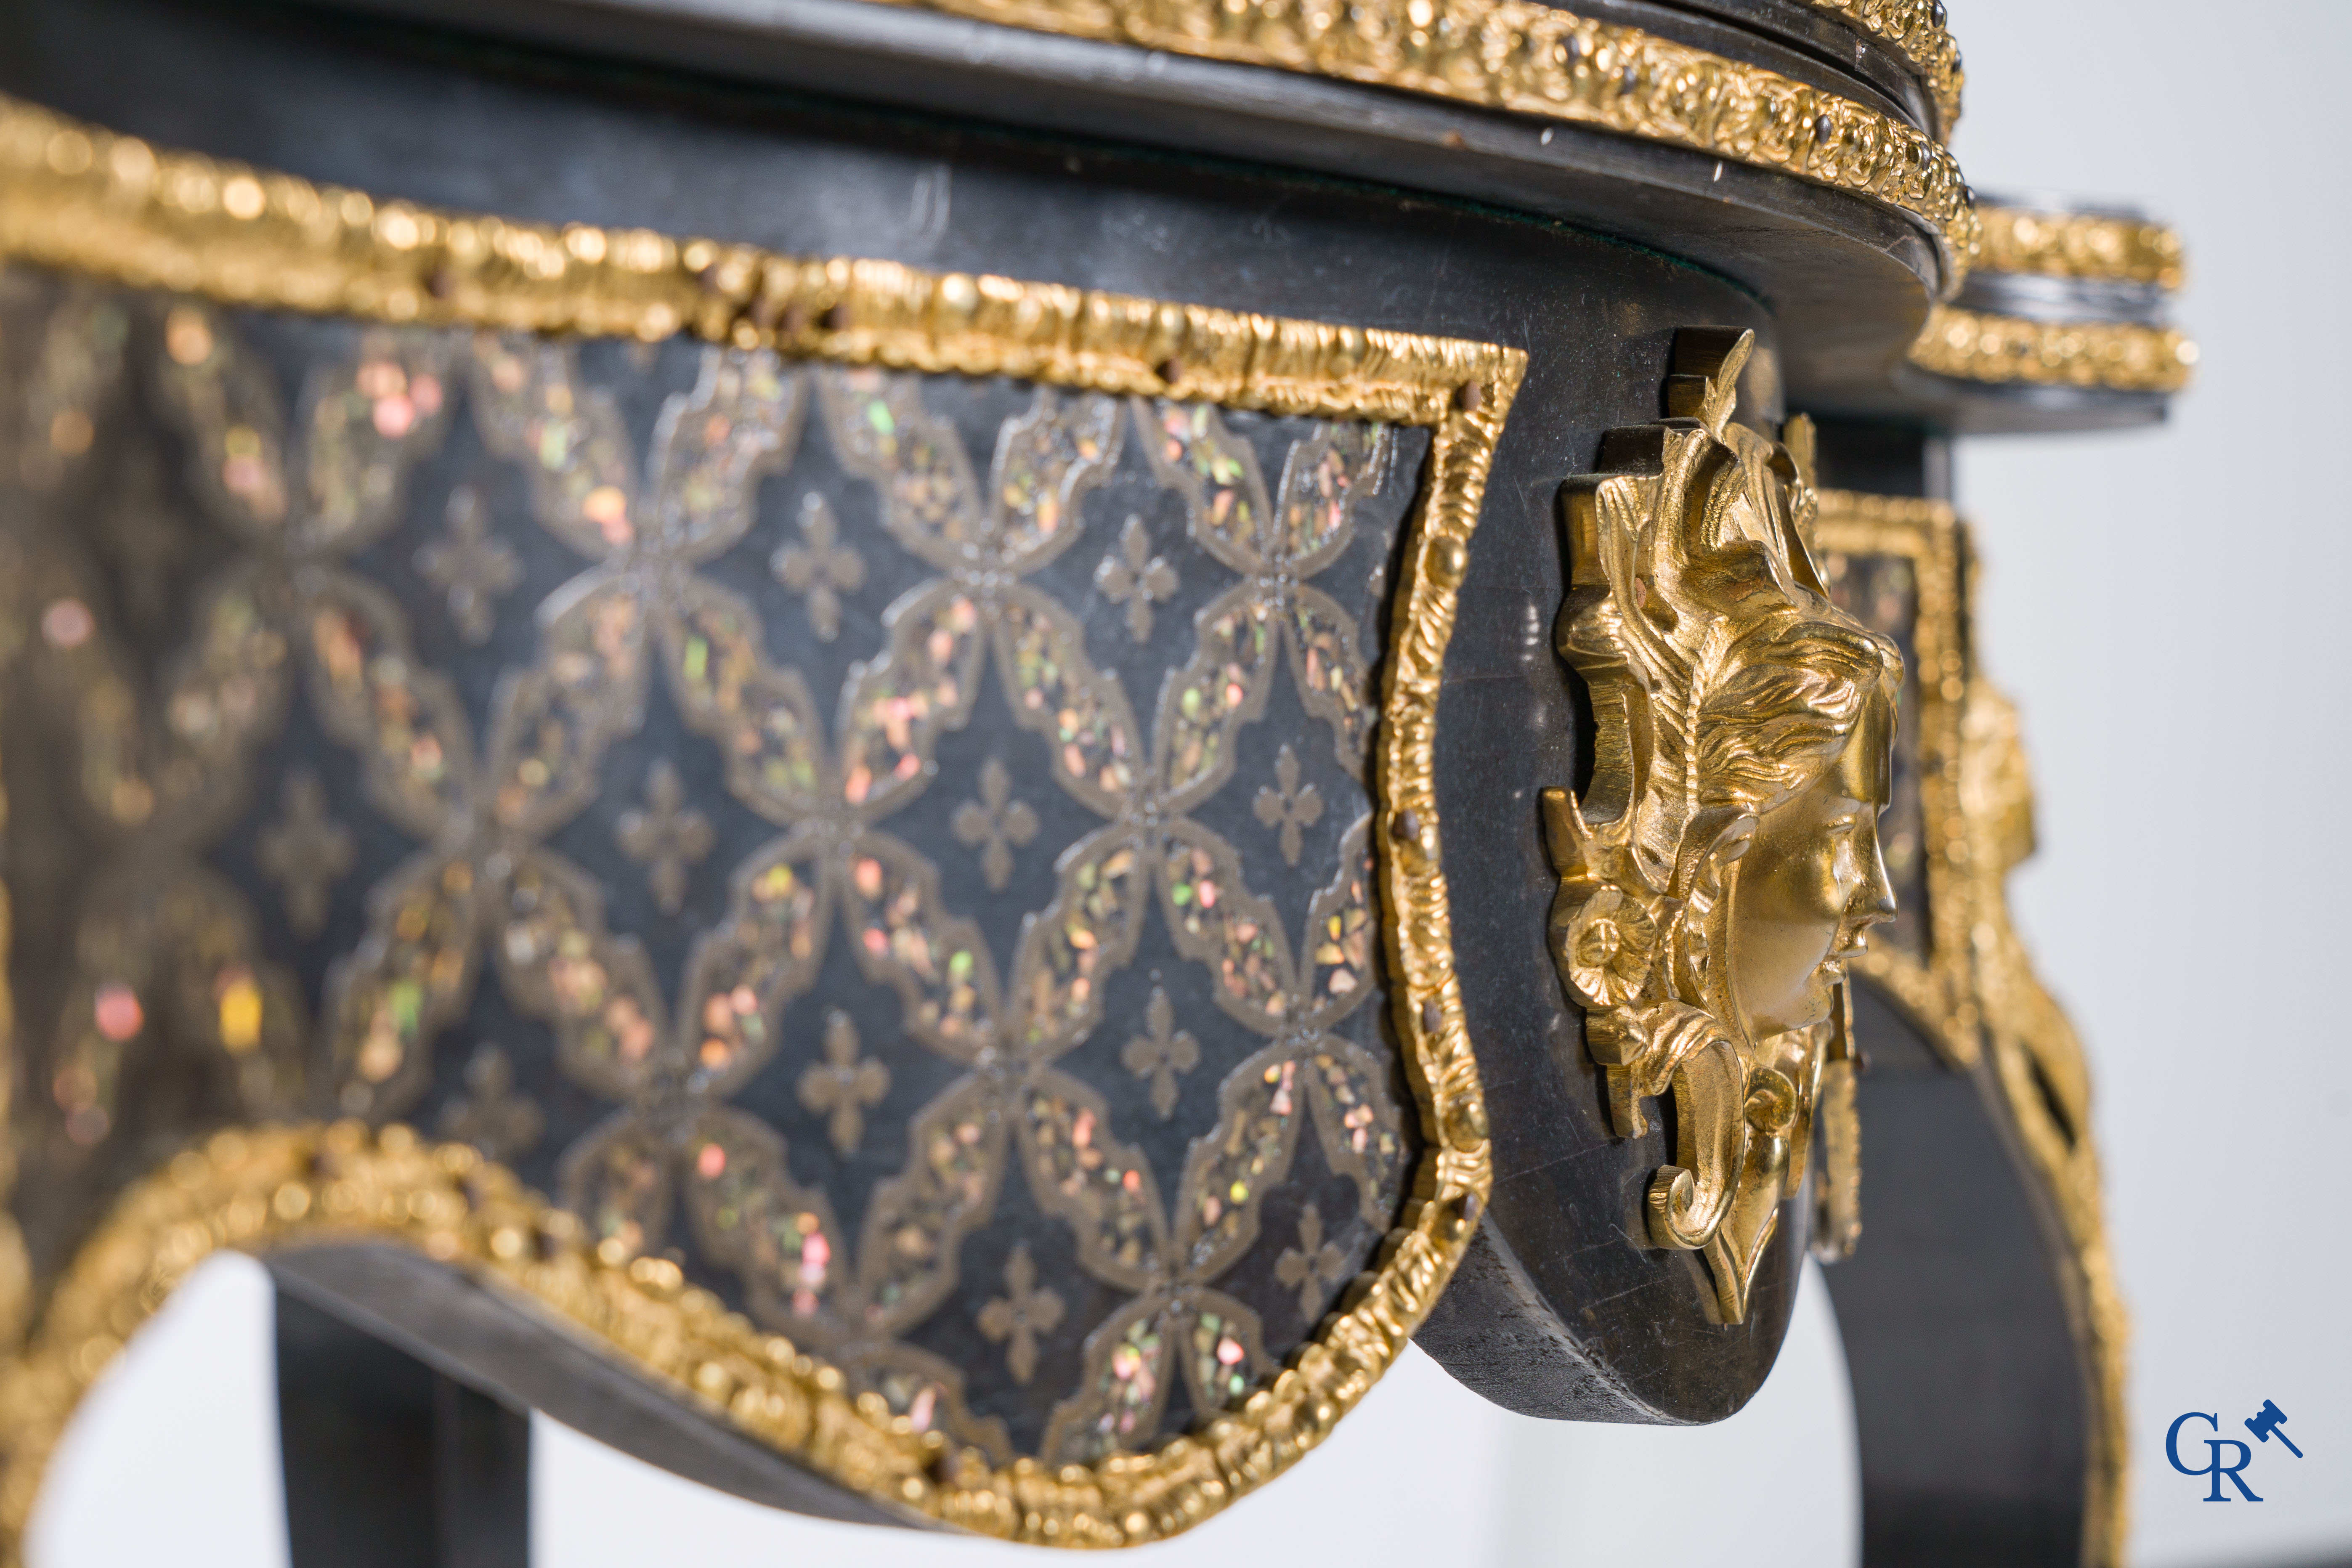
(1722, 867)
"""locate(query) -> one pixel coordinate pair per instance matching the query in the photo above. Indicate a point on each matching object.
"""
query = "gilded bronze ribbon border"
(1533, 59)
(1937, 992)
(2114, 356)
(1977, 991)
(1916, 30)
(79, 198)
(2089, 246)
(2037, 1058)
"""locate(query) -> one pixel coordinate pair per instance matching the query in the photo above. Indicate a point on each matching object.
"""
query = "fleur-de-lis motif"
(842, 1086)
(820, 568)
(473, 567)
(1021, 1314)
(1313, 1267)
(995, 824)
(305, 852)
(643, 640)
(1161, 1052)
(1135, 577)
(1290, 808)
(666, 836)
(492, 1117)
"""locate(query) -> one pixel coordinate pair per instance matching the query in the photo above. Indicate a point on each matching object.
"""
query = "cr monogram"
(2264, 1423)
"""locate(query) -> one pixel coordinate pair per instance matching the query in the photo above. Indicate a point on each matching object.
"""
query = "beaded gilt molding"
(94, 206)
(1533, 59)
(2118, 356)
(2087, 246)
(1965, 801)
(2110, 356)
(1895, 565)
(1916, 28)
(2037, 1058)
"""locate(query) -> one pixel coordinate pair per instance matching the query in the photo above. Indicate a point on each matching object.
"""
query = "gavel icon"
(2265, 1425)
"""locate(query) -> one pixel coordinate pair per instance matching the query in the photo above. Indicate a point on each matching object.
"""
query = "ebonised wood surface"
(387, 1463)
(1558, 1311)
(1959, 1310)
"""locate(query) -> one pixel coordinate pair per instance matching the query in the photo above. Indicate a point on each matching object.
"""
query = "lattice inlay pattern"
(896, 844)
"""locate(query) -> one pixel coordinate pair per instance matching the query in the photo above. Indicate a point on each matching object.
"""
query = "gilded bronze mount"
(80, 200)
(1722, 680)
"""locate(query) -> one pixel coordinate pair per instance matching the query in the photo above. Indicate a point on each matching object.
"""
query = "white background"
(173, 1460)
(2169, 608)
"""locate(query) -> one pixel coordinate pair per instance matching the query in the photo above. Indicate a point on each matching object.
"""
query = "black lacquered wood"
(1849, 279)
(454, 123)
(1887, 458)
(1970, 1384)
(1952, 405)
(1961, 1310)
(388, 1463)
(1046, 159)
(1837, 40)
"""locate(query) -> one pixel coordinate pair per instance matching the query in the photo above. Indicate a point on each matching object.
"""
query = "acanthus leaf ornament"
(1723, 864)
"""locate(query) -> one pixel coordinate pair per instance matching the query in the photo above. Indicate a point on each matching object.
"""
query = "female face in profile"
(1811, 884)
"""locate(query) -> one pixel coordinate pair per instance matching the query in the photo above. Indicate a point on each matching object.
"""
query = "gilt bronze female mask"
(1725, 860)
(946, 858)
